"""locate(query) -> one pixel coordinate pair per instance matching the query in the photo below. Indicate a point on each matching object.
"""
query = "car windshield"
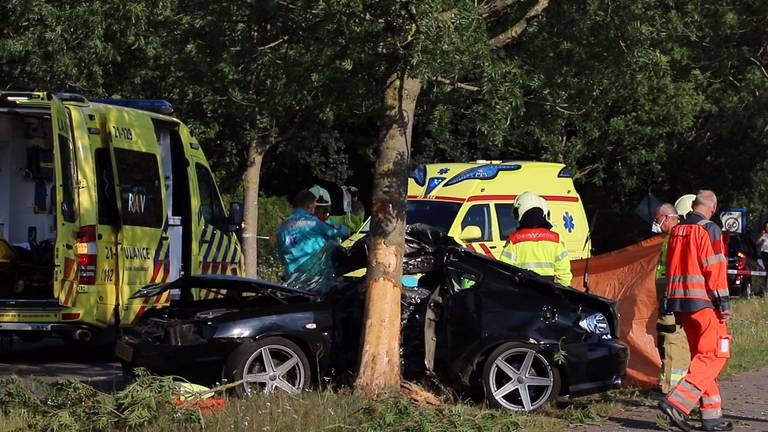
(439, 214)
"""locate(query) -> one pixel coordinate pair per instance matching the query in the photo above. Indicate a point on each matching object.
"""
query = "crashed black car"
(477, 323)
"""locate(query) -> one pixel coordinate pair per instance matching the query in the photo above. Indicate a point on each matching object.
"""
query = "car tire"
(518, 377)
(267, 365)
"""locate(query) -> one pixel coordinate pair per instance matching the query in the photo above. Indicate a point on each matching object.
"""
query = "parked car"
(742, 256)
(479, 324)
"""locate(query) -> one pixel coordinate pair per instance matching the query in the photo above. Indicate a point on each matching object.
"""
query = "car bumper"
(596, 366)
(169, 358)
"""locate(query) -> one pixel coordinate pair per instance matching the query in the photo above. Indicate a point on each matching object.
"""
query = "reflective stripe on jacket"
(539, 250)
(696, 273)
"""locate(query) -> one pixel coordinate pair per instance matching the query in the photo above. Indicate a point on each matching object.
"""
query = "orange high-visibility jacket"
(696, 272)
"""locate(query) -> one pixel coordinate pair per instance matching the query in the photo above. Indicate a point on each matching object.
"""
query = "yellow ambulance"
(472, 202)
(99, 198)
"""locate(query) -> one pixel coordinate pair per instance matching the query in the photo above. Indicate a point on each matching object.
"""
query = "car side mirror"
(471, 233)
(235, 216)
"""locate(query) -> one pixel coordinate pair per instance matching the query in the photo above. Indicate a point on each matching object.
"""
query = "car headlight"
(597, 324)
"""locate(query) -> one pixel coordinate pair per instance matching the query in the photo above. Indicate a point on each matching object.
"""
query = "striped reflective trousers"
(699, 386)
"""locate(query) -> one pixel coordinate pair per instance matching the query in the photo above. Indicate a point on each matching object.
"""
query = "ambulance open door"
(143, 242)
(65, 204)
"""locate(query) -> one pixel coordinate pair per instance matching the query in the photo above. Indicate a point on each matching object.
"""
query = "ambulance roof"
(491, 180)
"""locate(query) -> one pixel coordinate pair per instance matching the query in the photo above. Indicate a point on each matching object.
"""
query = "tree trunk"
(251, 207)
(380, 357)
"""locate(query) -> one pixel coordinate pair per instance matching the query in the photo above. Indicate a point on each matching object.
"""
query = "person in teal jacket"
(302, 234)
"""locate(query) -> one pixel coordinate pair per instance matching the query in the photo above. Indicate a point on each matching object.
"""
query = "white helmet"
(322, 195)
(528, 200)
(684, 204)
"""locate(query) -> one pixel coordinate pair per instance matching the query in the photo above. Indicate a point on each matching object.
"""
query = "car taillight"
(86, 254)
(741, 263)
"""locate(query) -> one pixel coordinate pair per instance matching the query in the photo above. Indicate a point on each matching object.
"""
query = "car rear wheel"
(518, 378)
(266, 366)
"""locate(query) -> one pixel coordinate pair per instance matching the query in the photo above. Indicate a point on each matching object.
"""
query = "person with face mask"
(670, 337)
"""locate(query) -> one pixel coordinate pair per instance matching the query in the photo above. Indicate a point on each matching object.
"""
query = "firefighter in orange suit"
(697, 293)
(534, 246)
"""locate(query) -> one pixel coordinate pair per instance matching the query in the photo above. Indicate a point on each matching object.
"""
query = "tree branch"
(457, 84)
(513, 32)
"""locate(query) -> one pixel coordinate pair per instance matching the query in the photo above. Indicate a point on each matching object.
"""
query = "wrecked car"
(478, 324)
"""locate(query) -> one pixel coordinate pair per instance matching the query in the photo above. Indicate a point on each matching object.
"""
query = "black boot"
(675, 415)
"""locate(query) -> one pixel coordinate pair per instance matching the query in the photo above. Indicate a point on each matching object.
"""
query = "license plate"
(124, 351)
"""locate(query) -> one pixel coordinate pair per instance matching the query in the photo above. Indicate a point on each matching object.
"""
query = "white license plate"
(124, 351)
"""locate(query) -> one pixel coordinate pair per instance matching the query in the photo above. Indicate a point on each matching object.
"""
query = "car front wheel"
(518, 378)
(266, 366)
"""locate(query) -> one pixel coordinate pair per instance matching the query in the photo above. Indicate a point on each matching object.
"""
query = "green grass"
(749, 328)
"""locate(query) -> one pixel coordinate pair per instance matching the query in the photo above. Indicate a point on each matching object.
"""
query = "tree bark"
(251, 207)
(380, 357)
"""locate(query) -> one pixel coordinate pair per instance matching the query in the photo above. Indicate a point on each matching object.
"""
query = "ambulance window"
(507, 222)
(479, 216)
(210, 203)
(68, 210)
(141, 196)
(105, 184)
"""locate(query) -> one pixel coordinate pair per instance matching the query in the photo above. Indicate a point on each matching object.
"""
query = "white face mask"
(656, 228)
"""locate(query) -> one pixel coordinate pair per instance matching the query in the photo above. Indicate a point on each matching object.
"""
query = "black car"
(478, 323)
(742, 257)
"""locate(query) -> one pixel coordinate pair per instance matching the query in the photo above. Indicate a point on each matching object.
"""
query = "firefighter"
(671, 340)
(697, 293)
(534, 246)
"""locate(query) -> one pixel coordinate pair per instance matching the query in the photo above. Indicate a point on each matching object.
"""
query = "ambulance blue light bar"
(159, 106)
(419, 175)
(484, 172)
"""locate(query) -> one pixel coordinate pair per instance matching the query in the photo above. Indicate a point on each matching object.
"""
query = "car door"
(142, 251)
(66, 205)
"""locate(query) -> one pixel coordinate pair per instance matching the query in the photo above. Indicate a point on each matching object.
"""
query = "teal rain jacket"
(302, 235)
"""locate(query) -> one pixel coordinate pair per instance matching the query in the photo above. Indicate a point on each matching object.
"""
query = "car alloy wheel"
(268, 365)
(518, 378)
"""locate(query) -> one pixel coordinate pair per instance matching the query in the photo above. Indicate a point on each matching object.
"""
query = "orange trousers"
(708, 357)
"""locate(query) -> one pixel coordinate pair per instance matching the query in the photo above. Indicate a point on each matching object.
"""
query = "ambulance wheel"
(518, 378)
(266, 366)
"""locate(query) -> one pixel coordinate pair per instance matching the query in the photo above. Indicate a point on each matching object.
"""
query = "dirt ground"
(744, 403)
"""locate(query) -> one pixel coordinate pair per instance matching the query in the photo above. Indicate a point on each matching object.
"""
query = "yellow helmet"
(528, 200)
(684, 204)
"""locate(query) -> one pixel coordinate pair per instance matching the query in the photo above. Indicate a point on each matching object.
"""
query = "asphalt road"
(56, 359)
(744, 404)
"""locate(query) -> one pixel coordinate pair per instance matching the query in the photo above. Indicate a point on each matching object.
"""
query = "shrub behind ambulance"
(98, 199)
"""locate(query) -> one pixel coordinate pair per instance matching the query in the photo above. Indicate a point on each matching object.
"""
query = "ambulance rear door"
(143, 242)
(66, 205)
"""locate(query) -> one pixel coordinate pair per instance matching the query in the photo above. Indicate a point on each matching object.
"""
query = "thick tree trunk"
(380, 357)
(251, 207)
